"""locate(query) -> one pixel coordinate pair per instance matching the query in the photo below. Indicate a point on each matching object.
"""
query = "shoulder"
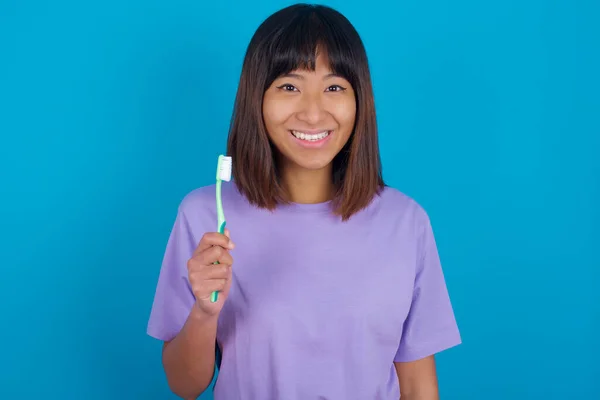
(197, 199)
(200, 204)
(401, 214)
(395, 203)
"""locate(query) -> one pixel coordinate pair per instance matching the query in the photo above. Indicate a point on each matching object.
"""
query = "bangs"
(297, 44)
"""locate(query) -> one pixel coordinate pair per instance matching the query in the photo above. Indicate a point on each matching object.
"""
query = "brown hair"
(285, 41)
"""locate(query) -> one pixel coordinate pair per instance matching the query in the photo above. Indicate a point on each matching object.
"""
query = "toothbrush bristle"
(225, 170)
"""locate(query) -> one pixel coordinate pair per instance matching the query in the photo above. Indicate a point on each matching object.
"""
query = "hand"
(205, 276)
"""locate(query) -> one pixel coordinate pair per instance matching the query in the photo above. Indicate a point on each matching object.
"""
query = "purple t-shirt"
(318, 308)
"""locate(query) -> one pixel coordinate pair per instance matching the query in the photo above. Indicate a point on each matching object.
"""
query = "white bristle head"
(225, 168)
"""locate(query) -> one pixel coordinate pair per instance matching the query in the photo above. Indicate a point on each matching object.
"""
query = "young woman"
(336, 291)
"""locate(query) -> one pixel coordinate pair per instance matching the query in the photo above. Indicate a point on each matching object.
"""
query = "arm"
(182, 315)
(430, 326)
(418, 380)
(189, 359)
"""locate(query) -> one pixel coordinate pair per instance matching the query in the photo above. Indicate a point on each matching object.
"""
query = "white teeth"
(310, 137)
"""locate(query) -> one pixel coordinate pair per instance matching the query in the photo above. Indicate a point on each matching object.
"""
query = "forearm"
(189, 359)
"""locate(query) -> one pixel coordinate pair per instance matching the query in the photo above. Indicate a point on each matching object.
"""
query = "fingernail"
(231, 245)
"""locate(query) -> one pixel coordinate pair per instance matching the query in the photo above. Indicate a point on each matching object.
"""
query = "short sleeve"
(173, 299)
(430, 326)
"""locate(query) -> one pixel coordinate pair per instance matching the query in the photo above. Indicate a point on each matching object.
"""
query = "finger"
(228, 281)
(214, 254)
(214, 271)
(226, 231)
(210, 239)
(200, 270)
(208, 287)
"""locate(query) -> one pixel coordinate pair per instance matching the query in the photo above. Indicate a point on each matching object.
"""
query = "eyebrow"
(298, 76)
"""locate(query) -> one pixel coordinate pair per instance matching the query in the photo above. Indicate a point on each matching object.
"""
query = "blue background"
(112, 111)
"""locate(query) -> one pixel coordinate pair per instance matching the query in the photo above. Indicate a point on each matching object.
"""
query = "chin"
(313, 164)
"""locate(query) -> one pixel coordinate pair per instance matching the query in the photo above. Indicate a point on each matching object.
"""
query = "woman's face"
(309, 115)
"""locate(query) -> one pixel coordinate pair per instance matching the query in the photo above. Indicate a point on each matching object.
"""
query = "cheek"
(345, 113)
(275, 112)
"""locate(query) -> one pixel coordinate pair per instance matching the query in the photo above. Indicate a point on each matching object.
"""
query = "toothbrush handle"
(215, 295)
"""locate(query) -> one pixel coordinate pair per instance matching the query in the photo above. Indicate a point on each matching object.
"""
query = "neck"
(308, 186)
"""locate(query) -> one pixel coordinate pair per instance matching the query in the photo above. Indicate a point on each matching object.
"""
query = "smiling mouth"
(310, 137)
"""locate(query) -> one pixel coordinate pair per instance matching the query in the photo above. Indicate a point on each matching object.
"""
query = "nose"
(311, 109)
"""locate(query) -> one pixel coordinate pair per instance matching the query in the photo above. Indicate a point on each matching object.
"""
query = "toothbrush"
(224, 164)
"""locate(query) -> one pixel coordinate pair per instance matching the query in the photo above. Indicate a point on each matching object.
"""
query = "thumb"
(226, 233)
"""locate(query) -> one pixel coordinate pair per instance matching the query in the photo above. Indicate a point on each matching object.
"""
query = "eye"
(335, 88)
(287, 87)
